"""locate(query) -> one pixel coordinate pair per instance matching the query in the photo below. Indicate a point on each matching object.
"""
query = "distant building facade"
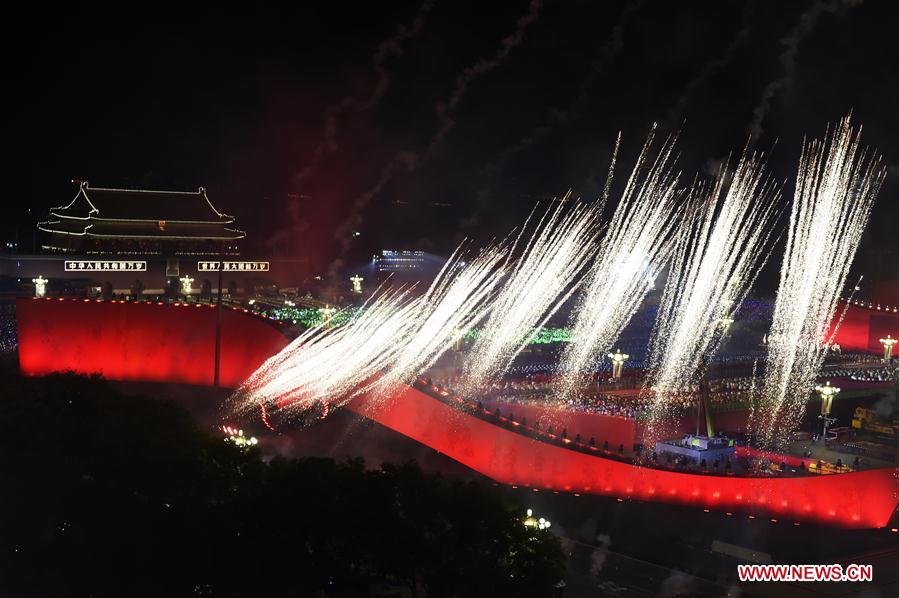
(408, 266)
(404, 264)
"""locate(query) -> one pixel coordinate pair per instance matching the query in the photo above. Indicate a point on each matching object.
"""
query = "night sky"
(420, 124)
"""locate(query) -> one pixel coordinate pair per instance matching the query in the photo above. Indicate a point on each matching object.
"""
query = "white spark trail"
(631, 253)
(835, 189)
(333, 365)
(718, 255)
(392, 339)
(541, 280)
(458, 299)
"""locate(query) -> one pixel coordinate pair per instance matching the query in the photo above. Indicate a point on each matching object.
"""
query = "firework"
(332, 364)
(629, 258)
(835, 188)
(713, 243)
(716, 258)
(392, 339)
(535, 288)
(458, 299)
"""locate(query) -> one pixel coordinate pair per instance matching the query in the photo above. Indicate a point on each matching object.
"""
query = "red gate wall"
(863, 327)
(141, 340)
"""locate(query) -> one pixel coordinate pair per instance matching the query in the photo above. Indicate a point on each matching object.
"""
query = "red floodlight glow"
(103, 337)
(136, 341)
(505, 455)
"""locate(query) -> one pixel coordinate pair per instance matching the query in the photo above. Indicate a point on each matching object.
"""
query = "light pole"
(237, 437)
(618, 358)
(725, 323)
(216, 371)
(186, 282)
(827, 393)
(888, 343)
(40, 285)
(537, 522)
(327, 312)
(457, 339)
(357, 283)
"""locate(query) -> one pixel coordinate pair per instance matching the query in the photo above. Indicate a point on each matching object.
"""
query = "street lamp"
(537, 522)
(725, 323)
(40, 285)
(327, 312)
(185, 284)
(827, 393)
(237, 437)
(888, 343)
(357, 283)
(618, 358)
(458, 335)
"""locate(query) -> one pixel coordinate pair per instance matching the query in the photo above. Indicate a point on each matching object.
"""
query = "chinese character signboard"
(105, 265)
(233, 266)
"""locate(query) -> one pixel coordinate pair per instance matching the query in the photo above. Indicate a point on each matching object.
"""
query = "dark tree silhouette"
(111, 495)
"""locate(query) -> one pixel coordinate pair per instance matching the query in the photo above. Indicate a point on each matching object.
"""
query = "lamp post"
(327, 312)
(40, 285)
(218, 320)
(237, 437)
(725, 323)
(457, 339)
(827, 393)
(357, 283)
(538, 522)
(888, 343)
(186, 282)
(618, 358)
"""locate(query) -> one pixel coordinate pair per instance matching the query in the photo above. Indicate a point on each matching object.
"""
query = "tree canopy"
(110, 495)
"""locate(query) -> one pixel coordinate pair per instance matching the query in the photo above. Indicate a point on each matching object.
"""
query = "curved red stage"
(862, 499)
(603, 428)
(168, 343)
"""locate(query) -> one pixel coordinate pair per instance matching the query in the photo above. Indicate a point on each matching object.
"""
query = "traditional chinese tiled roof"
(141, 214)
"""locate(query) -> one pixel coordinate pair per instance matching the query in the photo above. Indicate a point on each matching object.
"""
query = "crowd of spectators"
(631, 406)
(538, 390)
(597, 396)
(9, 341)
(869, 374)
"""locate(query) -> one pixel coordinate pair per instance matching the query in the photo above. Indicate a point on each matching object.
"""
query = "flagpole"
(218, 324)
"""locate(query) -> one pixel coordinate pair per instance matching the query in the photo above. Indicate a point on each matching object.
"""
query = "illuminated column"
(725, 323)
(186, 281)
(457, 339)
(40, 285)
(327, 312)
(357, 284)
(827, 393)
(618, 359)
(888, 343)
